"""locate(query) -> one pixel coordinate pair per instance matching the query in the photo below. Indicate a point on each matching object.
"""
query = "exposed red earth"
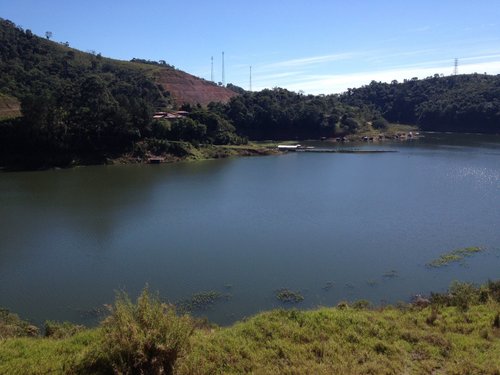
(185, 88)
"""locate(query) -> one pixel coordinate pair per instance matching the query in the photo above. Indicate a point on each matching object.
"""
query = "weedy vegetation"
(457, 333)
(289, 296)
(202, 301)
(457, 255)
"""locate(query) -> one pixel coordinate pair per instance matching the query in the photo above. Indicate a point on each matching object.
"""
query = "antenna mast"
(212, 70)
(223, 72)
(250, 78)
(455, 70)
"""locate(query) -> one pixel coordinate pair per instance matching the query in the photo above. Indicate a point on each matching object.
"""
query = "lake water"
(331, 226)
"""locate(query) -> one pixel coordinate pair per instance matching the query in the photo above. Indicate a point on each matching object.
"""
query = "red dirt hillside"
(186, 88)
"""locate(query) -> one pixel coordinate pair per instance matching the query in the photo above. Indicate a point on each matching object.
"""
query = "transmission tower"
(455, 70)
(223, 72)
(250, 77)
(212, 70)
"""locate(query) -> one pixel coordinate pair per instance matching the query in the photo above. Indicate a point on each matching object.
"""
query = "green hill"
(60, 106)
(63, 107)
(462, 103)
(30, 64)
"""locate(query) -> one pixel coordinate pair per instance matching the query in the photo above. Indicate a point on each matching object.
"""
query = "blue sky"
(317, 46)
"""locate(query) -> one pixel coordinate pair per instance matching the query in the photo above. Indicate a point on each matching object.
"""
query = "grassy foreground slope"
(457, 333)
(350, 341)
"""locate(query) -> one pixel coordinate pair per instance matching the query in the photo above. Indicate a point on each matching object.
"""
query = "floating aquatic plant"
(456, 255)
(329, 285)
(289, 296)
(390, 274)
(202, 300)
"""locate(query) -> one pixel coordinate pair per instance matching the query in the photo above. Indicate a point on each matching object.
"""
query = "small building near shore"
(288, 147)
(170, 115)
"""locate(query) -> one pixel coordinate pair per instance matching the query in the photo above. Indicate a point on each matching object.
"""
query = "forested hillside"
(461, 103)
(282, 114)
(61, 106)
(72, 100)
(77, 105)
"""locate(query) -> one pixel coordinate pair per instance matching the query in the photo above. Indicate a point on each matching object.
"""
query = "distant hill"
(62, 106)
(461, 103)
(29, 64)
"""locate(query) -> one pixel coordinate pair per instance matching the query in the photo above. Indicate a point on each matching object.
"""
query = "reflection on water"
(331, 226)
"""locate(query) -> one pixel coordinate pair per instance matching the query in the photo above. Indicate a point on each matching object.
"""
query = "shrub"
(349, 124)
(432, 317)
(463, 295)
(59, 330)
(494, 290)
(13, 326)
(496, 321)
(380, 123)
(142, 338)
(161, 129)
(361, 304)
(342, 305)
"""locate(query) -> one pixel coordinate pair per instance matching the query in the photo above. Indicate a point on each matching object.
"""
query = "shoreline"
(448, 332)
(207, 152)
(187, 152)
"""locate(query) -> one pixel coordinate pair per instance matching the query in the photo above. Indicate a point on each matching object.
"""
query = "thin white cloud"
(267, 77)
(312, 74)
(326, 84)
(307, 61)
(381, 56)
(485, 57)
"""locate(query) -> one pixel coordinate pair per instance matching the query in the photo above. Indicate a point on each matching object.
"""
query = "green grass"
(350, 341)
(443, 338)
(323, 341)
(45, 355)
(456, 255)
(401, 128)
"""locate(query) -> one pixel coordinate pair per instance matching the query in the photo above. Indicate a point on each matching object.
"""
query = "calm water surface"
(248, 226)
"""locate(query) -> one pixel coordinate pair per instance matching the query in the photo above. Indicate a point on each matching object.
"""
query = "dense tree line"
(461, 103)
(201, 126)
(72, 101)
(282, 114)
(76, 103)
